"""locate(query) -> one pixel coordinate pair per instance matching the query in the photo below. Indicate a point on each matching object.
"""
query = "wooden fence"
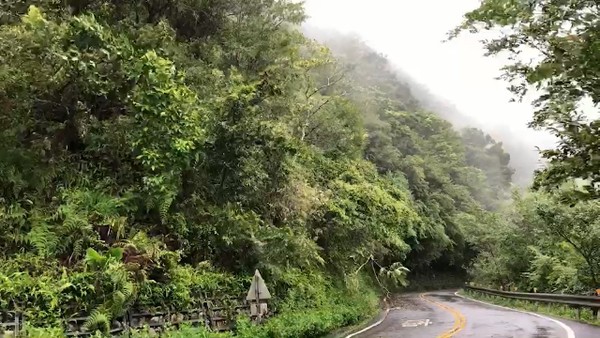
(216, 315)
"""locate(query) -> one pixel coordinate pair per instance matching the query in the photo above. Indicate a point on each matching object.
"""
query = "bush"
(340, 307)
(182, 332)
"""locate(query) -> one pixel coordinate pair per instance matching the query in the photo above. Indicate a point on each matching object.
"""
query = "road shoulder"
(354, 330)
(569, 331)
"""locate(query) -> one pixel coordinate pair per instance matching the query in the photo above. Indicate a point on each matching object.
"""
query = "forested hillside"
(156, 152)
(525, 158)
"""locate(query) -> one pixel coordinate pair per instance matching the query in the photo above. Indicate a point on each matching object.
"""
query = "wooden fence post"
(18, 324)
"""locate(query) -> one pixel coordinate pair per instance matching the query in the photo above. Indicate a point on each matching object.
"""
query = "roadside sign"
(258, 289)
(257, 295)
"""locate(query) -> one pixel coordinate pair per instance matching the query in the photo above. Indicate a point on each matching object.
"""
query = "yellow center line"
(459, 320)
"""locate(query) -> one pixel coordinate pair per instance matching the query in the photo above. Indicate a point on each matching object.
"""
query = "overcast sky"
(410, 33)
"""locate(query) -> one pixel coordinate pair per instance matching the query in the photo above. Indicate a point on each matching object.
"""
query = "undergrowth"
(562, 311)
(311, 311)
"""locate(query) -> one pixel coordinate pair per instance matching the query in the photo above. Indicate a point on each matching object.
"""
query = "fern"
(44, 239)
(18, 238)
(14, 214)
(77, 248)
(75, 223)
(117, 225)
(128, 290)
(122, 298)
(99, 320)
(152, 247)
(163, 208)
(123, 289)
(13, 230)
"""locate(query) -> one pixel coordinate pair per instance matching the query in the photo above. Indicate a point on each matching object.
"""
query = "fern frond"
(74, 223)
(18, 238)
(118, 275)
(117, 225)
(128, 290)
(163, 208)
(99, 320)
(43, 239)
(151, 246)
(78, 248)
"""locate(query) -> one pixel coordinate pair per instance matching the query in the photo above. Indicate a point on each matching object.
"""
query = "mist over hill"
(524, 156)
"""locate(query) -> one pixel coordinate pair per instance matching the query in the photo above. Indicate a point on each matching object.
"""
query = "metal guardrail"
(574, 301)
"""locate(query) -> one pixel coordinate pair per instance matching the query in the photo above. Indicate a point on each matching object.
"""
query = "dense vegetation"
(549, 239)
(156, 152)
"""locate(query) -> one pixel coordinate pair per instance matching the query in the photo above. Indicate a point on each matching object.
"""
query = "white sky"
(410, 33)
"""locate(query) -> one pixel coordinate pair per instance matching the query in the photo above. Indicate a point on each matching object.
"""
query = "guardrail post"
(578, 313)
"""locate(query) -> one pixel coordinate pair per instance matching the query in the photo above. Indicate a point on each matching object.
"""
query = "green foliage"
(156, 155)
(362, 218)
(33, 332)
(484, 153)
(563, 39)
(314, 308)
(339, 307)
(395, 274)
(545, 308)
(182, 332)
(547, 242)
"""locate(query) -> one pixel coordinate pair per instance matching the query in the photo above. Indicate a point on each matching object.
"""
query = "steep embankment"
(522, 149)
(152, 158)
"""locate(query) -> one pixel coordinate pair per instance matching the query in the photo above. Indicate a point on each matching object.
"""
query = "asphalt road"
(443, 314)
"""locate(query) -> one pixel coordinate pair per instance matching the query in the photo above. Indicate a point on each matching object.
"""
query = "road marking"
(459, 320)
(370, 326)
(416, 322)
(570, 333)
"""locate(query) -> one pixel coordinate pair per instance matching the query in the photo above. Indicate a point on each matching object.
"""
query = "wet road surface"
(442, 314)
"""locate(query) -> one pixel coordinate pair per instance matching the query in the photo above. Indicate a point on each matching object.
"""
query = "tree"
(565, 70)
(547, 241)
(576, 225)
(156, 152)
(484, 153)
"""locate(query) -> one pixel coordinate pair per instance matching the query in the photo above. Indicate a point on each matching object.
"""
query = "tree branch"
(329, 83)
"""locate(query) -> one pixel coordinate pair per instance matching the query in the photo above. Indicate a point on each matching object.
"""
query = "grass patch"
(555, 310)
(346, 330)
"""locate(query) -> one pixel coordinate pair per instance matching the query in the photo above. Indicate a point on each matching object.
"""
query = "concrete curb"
(351, 331)
(354, 330)
(379, 319)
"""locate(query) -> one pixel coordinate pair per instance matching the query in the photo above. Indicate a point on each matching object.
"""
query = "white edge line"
(570, 333)
(372, 326)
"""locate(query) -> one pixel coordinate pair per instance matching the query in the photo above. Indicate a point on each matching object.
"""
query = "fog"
(454, 78)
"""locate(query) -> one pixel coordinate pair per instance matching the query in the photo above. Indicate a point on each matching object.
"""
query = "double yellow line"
(459, 320)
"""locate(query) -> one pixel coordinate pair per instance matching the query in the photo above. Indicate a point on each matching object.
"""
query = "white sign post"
(257, 295)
